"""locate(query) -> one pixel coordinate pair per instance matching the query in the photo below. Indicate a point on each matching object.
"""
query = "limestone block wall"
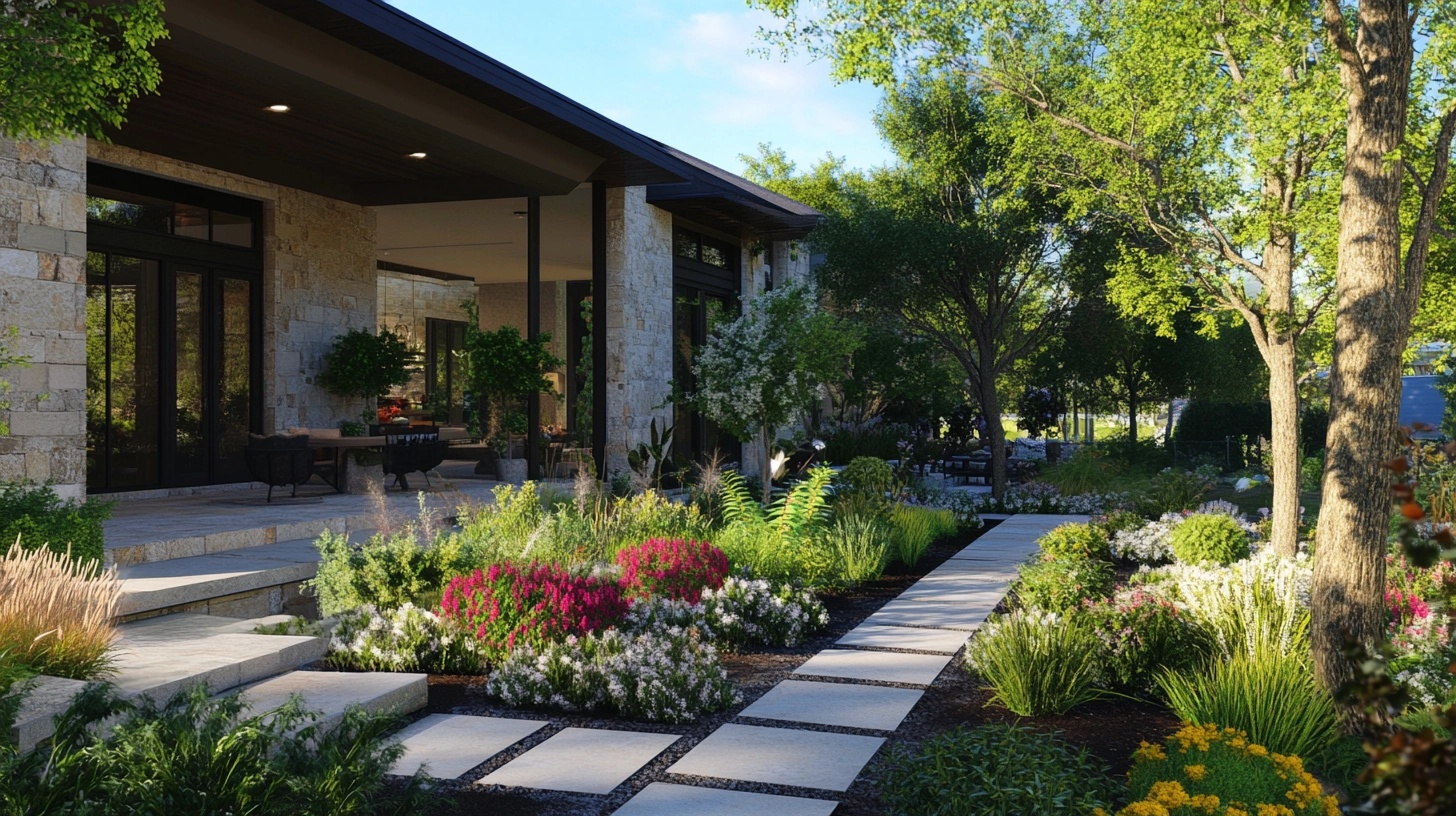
(43, 296)
(639, 320)
(319, 280)
(504, 304)
(411, 300)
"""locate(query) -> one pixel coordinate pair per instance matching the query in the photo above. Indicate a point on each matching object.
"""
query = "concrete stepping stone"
(780, 756)
(937, 616)
(330, 693)
(941, 641)
(582, 760)
(874, 707)
(448, 745)
(666, 799)
(886, 667)
(978, 594)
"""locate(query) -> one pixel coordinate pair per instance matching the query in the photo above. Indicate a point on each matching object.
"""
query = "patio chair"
(279, 460)
(422, 451)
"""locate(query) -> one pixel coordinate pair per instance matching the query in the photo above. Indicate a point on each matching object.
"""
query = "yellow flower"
(1235, 810)
(1259, 750)
(1332, 807)
(1206, 802)
(1275, 810)
(1196, 772)
(1149, 753)
(1145, 808)
(1168, 793)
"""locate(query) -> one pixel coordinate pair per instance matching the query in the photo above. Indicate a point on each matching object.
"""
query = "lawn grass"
(1249, 501)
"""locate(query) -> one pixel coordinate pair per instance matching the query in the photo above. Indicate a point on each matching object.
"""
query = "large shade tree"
(1214, 127)
(959, 252)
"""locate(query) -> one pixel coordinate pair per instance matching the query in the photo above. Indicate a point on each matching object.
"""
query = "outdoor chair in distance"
(279, 460)
(421, 451)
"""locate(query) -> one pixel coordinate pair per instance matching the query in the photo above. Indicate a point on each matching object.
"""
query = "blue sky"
(680, 72)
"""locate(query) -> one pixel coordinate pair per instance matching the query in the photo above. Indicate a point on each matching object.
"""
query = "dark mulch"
(1111, 729)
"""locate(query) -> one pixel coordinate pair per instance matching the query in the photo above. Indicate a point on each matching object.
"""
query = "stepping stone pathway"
(907, 643)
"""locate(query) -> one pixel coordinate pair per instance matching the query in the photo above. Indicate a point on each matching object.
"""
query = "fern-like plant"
(804, 508)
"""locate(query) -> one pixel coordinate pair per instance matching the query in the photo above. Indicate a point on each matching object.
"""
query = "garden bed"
(1110, 729)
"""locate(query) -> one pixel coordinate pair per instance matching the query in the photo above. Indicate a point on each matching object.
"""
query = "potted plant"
(502, 370)
(364, 365)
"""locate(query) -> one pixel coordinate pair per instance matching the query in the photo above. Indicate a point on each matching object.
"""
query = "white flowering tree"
(760, 371)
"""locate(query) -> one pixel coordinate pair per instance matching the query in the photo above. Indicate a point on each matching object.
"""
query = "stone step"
(173, 529)
(247, 582)
(159, 656)
(331, 693)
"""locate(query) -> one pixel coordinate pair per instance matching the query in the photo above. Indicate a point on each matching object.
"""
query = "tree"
(1213, 126)
(957, 251)
(1402, 117)
(363, 364)
(502, 368)
(70, 67)
(757, 372)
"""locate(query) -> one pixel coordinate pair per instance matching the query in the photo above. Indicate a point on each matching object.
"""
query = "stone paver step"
(964, 617)
(581, 760)
(876, 708)
(448, 745)
(331, 693)
(941, 641)
(180, 581)
(666, 799)
(780, 756)
(159, 656)
(886, 667)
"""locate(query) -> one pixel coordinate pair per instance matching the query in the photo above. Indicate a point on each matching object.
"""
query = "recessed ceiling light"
(278, 108)
(417, 155)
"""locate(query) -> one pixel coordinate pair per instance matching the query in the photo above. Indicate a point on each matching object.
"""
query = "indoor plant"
(366, 365)
(503, 369)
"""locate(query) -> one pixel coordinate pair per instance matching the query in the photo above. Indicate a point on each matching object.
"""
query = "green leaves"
(69, 67)
(363, 364)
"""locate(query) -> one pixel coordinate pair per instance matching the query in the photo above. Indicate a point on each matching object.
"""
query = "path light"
(417, 155)
(278, 108)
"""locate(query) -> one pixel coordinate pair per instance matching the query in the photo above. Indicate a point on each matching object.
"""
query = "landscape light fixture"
(278, 108)
(417, 155)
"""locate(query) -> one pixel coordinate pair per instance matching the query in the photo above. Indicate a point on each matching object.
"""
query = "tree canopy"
(70, 67)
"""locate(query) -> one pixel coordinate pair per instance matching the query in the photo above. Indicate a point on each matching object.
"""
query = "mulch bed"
(1110, 729)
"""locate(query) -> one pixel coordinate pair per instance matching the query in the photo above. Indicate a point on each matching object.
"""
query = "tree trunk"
(1284, 444)
(991, 406)
(1372, 324)
(767, 464)
(1132, 408)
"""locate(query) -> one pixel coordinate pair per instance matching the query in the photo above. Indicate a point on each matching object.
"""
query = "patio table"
(341, 445)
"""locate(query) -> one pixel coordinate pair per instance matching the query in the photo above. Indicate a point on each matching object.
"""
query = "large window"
(705, 287)
(173, 300)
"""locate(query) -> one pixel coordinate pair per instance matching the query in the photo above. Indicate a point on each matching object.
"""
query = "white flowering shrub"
(1260, 601)
(1040, 497)
(1148, 544)
(405, 639)
(668, 676)
(747, 610)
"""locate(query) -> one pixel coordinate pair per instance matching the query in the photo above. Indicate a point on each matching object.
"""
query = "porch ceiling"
(361, 100)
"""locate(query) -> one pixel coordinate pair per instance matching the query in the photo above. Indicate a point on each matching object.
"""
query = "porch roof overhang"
(367, 85)
(719, 199)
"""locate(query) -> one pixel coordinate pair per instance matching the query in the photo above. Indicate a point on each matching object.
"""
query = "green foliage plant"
(195, 753)
(38, 517)
(1171, 491)
(860, 547)
(995, 770)
(1036, 662)
(1062, 584)
(502, 368)
(1210, 537)
(404, 639)
(1143, 634)
(364, 364)
(867, 474)
(1075, 541)
(408, 565)
(913, 529)
(1205, 768)
(69, 67)
(1272, 695)
(1088, 471)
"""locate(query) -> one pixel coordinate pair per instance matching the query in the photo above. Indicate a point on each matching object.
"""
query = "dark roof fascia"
(776, 215)
(434, 49)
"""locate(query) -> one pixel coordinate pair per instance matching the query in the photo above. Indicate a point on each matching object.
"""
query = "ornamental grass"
(56, 614)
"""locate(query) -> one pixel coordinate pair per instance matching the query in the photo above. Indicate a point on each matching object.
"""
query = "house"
(312, 166)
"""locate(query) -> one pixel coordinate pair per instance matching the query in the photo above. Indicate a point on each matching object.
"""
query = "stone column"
(43, 296)
(639, 320)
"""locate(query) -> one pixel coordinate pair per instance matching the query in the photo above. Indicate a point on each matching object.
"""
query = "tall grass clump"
(1037, 662)
(860, 547)
(1088, 471)
(1271, 695)
(56, 613)
(913, 529)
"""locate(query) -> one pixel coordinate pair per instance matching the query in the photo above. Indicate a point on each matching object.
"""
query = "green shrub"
(1062, 584)
(1272, 696)
(1119, 521)
(1075, 541)
(199, 754)
(867, 474)
(386, 572)
(40, 519)
(1210, 537)
(1036, 662)
(1204, 767)
(914, 528)
(995, 770)
(1088, 471)
(860, 549)
(1171, 491)
(1142, 634)
(1311, 471)
(406, 639)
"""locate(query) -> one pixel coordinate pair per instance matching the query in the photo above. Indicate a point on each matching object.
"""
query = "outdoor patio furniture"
(279, 460)
(421, 451)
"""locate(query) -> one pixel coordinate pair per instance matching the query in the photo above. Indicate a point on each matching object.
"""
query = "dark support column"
(599, 327)
(533, 329)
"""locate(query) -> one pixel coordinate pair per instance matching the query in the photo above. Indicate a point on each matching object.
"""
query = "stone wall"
(318, 282)
(411, 300)
(43, 296)
(639, 320)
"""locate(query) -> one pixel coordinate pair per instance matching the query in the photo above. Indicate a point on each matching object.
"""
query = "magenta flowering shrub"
(507, 606)
(1142, 634)
(675, 569)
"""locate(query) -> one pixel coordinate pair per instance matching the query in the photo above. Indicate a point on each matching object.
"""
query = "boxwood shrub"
(41, 519)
